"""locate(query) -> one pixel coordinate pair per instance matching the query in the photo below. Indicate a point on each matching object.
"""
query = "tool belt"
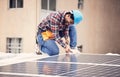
(47, 35)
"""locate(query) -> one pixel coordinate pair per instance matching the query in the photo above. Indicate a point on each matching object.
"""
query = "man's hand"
(67, 49)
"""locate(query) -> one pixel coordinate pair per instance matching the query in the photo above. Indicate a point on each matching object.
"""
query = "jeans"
(50, 47)
(73, 36)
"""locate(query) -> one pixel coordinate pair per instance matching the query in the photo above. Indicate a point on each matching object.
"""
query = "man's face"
(68, 20)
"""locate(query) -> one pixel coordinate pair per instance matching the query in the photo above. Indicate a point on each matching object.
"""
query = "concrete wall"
(100, 33)
(66, 5)
(18, 22)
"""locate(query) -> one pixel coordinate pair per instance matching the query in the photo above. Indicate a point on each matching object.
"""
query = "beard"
(65, 22)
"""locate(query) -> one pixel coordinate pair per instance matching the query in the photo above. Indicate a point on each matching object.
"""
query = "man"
(54, 27)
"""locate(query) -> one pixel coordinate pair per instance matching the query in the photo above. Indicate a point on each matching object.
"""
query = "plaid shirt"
(55, 22)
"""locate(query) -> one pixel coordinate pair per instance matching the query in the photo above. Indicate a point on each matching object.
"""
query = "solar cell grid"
(73, 65)
(96, 71)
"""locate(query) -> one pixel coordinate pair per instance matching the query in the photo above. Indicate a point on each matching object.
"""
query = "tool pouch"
(47, 35)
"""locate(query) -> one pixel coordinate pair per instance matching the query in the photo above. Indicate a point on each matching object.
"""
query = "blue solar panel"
(96, 71)
(73, 65)
(41, 68)
(85, 58)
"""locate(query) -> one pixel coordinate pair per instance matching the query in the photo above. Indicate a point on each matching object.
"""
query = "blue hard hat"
(78, 17)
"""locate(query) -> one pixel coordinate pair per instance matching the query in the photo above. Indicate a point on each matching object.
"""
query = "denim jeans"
(50, 47)
(73, 36)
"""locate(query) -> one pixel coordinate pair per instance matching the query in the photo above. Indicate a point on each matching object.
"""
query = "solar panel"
(96, 71)
(66, 65)
(85, 58)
